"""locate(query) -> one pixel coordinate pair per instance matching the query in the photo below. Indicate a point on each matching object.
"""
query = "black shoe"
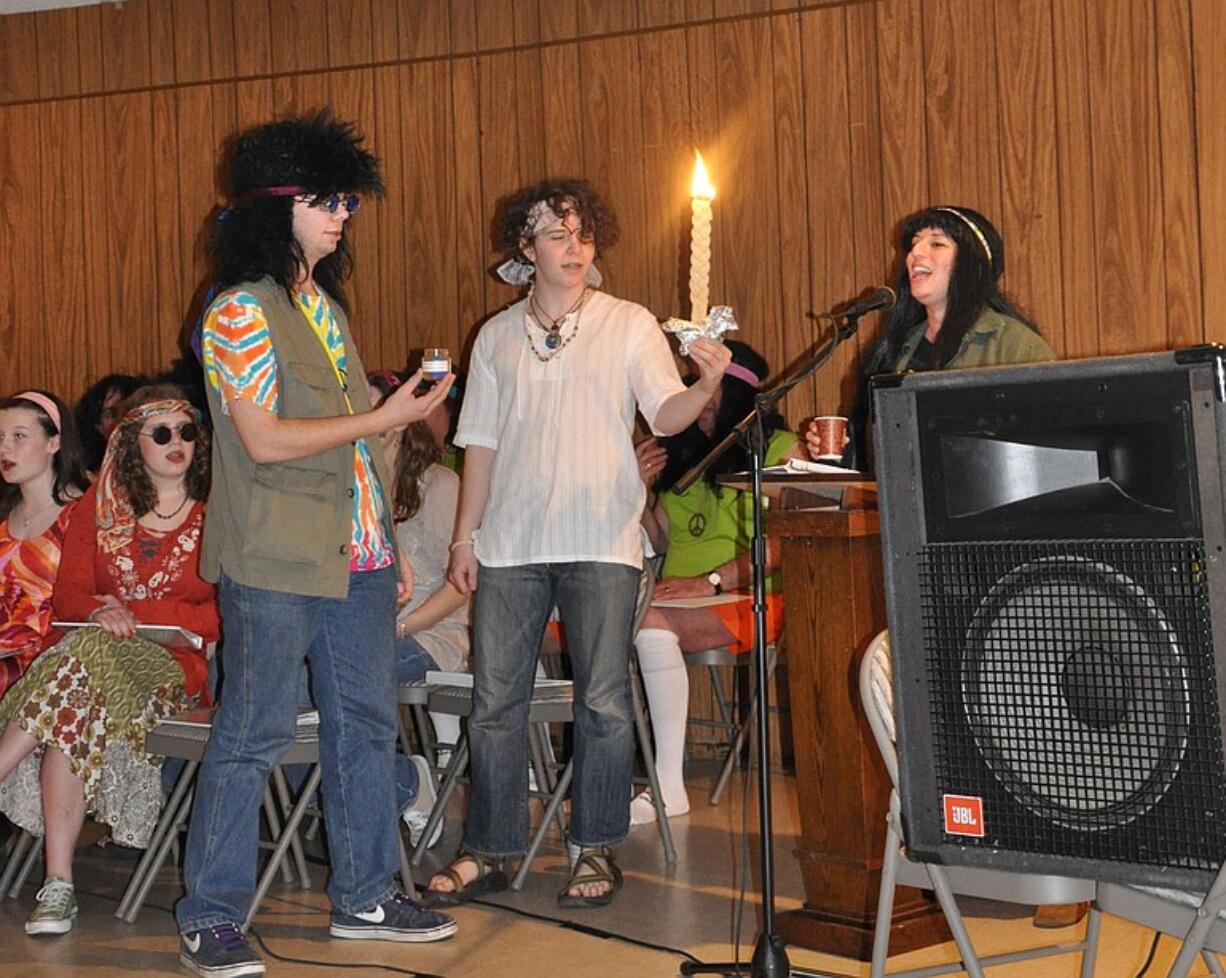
(396, 919)
(221, 951)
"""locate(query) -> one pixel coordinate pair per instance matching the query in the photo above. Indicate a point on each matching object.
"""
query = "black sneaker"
(396, 919)
(221, 951)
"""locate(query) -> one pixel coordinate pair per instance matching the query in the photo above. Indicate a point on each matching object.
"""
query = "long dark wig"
(88, 412)
(686, 448)
(254, 236)
(69, 479)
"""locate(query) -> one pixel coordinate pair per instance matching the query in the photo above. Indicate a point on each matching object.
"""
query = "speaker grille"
(1073, 688)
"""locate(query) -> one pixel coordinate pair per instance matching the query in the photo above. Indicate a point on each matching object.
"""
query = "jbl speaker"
(1055, 579)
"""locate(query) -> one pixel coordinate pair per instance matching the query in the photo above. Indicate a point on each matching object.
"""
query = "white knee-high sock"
(446, 728)
(668, 696)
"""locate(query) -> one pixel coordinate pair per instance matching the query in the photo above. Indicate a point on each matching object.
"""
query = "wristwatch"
(716, 582)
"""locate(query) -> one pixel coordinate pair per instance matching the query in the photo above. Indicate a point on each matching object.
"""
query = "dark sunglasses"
(333, 203)
(162, 433)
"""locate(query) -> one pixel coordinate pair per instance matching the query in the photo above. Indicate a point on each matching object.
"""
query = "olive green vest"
(288, 526)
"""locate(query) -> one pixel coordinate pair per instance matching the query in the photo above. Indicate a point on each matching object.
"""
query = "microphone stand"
(770, 959)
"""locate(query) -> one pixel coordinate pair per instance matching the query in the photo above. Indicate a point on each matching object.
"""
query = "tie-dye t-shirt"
(240, 364)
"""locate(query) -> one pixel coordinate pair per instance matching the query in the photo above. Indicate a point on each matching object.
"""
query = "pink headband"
(44, 402)
(266, 192)
(743, 373)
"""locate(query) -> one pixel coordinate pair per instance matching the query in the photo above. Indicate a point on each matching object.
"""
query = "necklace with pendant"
(554, 342)
(552, 326)
(24, 522)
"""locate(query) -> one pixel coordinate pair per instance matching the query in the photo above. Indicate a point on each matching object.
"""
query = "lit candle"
(701, 194)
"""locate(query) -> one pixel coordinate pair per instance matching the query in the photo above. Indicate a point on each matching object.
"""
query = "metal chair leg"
(649, 758)
(538, 837)
(166, 824)
(459, 763)
(278, 780)
(286, 836)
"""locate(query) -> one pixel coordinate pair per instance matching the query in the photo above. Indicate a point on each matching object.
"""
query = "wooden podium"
(835, 605)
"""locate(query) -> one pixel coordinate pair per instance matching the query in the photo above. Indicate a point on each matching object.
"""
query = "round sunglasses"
(333, 202)
(162, 433)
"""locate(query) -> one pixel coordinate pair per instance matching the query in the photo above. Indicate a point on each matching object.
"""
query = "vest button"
(349, 492)
(344, 549)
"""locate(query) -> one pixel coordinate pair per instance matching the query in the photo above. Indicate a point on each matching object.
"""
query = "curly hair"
(254, 236)
(88, 412)
(131, 474)
(66, 466)
(597, 222)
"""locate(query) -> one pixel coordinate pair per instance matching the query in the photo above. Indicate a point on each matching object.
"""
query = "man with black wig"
(299, 538)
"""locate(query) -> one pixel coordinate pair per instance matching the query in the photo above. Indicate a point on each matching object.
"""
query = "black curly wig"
(597, 222)
(254, 236)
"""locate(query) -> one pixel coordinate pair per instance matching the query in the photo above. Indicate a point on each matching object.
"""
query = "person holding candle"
(950, 312)
(300, 540)
(549, 515)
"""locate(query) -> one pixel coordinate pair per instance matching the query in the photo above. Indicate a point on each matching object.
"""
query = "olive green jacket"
(995, 340)
(288, 526)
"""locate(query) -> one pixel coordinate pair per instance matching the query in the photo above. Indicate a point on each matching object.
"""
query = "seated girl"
(75, 724)
(705, 534)
(40, 463)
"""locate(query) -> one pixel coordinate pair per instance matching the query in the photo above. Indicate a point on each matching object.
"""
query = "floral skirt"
(94, 698)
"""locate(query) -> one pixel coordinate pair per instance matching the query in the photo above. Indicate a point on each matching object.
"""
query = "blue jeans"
(510, 608)
(412, 660)
(353, 678)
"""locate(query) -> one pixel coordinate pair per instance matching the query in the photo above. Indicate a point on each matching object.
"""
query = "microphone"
(881, 297)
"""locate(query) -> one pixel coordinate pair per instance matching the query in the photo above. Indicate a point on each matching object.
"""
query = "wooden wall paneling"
(198, 189)
(253, 103)
(901, 81)
(562, 85)
(225, 35)
(162, 35)
(497, 155)
(463, 33)
(59, 73)
(130, 232)
(352, 95)
(299, 93)
(1177, 142)
(660, 13)
(871, 250)
(495, 24)
(23, 331)
(530, 122)
(559, 19)
(667, 164)
(384, 30)
(613, 138)
(125, 46)
(817, 202)
(349, 34)
(1074, 161)
(62, 323)
(1128, 212)
(224, 112)
(527, 22)
(425, 27)
(190, 36)
(299, 35)
(18, 58)
(168, 304)
(100, 274)
(428, 262)
(245, 48)
(746, 205)
(471, 230)
(1208, 43)
(962, 113)
(1029, 218)
(388, 257)
(89, 47)
(606, 16)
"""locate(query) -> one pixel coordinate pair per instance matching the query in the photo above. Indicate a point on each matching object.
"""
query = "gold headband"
(973, 226)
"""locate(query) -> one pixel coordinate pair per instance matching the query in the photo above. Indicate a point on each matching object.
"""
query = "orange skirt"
(737, 617)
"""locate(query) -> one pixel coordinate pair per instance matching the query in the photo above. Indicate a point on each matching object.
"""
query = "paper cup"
(831, 436)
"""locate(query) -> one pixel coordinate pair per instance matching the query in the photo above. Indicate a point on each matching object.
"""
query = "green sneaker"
(57, 906)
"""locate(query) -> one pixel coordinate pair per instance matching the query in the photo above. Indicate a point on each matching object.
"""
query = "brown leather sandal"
(588, 869)
(490, 878)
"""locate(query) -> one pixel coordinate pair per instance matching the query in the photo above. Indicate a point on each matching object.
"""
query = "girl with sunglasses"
(75, 724)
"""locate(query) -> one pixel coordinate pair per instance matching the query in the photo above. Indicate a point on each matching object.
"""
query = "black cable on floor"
(346, 965)
(1153, 949)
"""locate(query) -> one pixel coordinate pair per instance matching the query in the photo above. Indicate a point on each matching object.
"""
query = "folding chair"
(22, 856)
(1196, 918)
(736, 732)
(877, 695)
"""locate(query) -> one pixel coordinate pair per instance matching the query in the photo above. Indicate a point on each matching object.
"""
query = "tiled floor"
(656, 919)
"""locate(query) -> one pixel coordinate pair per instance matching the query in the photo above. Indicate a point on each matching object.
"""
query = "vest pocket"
(291, 511)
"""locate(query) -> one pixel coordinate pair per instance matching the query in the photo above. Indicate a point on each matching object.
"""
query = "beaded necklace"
(554, 342)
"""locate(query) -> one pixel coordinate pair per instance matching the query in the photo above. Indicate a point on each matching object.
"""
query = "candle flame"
(700, 186)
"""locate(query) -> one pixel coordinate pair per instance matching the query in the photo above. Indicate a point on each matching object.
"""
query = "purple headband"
(743, 373)
(266, 192)
(44, 402)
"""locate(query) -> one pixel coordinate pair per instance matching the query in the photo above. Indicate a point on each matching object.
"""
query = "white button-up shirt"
(565, 484)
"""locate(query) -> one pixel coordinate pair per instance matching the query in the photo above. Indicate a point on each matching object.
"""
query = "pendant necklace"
(552, 326)
(554, 342)
(27, 517)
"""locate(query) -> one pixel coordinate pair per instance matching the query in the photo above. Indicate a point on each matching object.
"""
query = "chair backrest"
(877, 695)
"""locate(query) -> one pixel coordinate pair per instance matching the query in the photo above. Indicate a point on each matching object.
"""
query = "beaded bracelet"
(453, 547)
